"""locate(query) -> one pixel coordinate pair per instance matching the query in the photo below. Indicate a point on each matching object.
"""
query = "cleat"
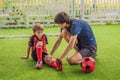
(39, 64)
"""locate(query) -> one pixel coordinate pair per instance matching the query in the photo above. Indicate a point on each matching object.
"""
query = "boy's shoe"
(39, 64)
(59, 64)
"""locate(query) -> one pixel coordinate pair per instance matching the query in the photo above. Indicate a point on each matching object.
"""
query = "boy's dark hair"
(37, 27)
(62, 17)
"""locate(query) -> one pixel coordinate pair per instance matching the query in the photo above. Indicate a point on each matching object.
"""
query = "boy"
(37, 44)
(79, 36)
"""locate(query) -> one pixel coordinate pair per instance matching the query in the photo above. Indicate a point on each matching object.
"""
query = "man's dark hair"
(62, 17)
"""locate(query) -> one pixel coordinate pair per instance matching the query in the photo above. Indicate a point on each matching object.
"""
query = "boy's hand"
(24, 57)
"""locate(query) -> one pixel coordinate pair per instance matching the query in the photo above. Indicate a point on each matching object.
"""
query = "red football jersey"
(34, 39)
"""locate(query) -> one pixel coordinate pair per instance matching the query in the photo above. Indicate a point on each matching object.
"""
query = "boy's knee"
(39, 43)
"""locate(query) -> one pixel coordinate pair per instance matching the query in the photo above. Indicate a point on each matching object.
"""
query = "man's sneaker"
(39, 64)
(59, 64)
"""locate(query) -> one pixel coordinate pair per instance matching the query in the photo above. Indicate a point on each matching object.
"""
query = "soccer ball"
(88, 64)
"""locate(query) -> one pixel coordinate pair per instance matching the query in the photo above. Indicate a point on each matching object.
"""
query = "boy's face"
(39, 33)
(63, 25)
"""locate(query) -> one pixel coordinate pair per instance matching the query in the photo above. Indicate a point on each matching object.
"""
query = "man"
(79, 36)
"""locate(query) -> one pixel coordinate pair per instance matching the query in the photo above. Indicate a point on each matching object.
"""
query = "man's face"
(63, 25)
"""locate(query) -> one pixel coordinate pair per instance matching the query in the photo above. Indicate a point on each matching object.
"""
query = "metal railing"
(25, 13)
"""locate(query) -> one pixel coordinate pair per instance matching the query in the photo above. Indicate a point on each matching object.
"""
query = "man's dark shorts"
(34, 55)
(87, 51)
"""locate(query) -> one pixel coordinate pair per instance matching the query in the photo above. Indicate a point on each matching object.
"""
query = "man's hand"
(59, 64)
(48, 57)
(24, 57)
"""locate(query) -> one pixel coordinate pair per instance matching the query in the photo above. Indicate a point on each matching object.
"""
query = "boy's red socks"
(53, 64)
(39, 53)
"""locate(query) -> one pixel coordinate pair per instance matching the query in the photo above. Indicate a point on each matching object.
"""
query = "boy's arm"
(70, 46)
(56, 45)
(28, 53)
(30, 44)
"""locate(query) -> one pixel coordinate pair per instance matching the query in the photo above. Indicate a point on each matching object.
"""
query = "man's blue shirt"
(83, 31)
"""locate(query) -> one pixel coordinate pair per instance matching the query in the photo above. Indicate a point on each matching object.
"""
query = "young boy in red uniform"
(37, 44)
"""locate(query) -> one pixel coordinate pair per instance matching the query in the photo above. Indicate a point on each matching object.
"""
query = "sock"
(39, 53)
(53, 64)
(44, 44)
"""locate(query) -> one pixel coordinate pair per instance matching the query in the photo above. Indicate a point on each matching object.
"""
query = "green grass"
(26, 31)
(14, 68)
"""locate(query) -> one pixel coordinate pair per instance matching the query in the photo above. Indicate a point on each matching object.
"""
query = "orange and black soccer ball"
(88, 64)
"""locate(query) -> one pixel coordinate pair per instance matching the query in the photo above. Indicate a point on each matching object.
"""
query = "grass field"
(14, 68)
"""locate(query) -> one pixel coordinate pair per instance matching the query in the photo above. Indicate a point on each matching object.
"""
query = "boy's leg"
(75, 58)
(66, 35)
(57, 64)
(39, 55)
(34, 55)
(51, 62)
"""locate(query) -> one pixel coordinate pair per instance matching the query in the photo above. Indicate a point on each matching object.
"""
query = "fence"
(24, 13)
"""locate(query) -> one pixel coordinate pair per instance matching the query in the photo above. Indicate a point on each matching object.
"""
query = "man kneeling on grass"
(79, 36)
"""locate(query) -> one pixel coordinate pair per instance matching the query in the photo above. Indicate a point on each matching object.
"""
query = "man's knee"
(70, 60)
(65, 33)
(73, 61)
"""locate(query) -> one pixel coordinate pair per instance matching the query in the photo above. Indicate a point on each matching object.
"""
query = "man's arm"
(70, 46)
(56, 45)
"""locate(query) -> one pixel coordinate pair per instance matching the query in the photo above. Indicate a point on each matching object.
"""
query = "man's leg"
(51, 62)
(75, 58)
(66, 35)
